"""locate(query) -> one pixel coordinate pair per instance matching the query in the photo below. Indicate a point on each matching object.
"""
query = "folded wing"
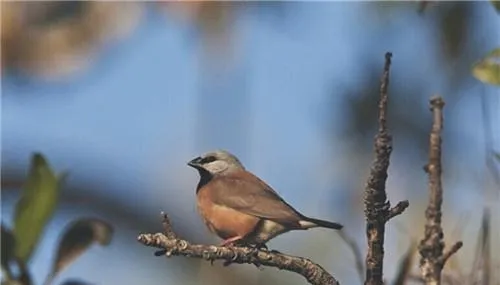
(247, 193)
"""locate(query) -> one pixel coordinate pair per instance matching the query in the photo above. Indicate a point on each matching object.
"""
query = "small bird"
(241, 208)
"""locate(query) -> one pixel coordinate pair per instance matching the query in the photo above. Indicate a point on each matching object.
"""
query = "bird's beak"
(195, 162)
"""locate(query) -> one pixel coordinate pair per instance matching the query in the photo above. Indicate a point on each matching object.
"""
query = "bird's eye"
(208, 159)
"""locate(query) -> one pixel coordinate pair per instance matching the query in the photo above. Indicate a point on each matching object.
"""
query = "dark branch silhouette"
(377, 209)
(171, 245)
(432, 245)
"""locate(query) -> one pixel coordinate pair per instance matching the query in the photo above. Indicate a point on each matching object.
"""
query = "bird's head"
(216, 162)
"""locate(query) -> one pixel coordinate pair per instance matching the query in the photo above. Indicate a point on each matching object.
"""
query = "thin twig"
(397, 210)
(358, 258)
(173, 246)
(377, 209)
(405, 265)
(432, 245)
(486, 247)
(453, 249)
(167, 226)
(481, 266)
(489, 142)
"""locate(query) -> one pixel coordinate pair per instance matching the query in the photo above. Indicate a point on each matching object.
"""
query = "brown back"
(245, 192)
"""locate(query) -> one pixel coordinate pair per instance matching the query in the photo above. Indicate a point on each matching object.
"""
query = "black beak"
(195, 162)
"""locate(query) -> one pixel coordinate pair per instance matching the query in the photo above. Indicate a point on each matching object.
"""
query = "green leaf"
(35, 207)
(496, 5)
(487, 70)
(77, 237)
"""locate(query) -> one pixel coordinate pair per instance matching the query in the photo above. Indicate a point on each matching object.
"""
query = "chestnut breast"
(221, 220)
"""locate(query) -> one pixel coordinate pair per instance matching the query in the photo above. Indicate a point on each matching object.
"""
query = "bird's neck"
(205, 177)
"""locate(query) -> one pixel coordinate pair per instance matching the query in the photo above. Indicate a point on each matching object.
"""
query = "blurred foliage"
(53, 39)
(487, 70)
(78, 236)
(454, 21)
(496, 5)
(33, 211)
(213, 18)
(7, 253)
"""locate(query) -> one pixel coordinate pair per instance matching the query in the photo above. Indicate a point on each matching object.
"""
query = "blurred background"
(122, 95)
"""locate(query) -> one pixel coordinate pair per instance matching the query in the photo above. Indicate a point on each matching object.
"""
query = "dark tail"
(307, 223)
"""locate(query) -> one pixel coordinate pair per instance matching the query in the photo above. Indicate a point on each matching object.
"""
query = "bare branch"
(432, 245)
(170, 245)
(451, 251)
(377, 208)
(167, 226)
(398, 209)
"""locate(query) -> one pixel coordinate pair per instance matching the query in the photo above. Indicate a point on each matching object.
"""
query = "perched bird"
(239, 207)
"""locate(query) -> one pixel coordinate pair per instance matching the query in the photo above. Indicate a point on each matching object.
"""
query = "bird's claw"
(263, 247)
(254, 251)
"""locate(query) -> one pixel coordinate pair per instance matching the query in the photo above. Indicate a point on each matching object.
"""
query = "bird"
(239, 207)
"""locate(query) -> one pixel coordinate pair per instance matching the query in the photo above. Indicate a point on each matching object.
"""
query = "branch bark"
(377, 209)
(171, 245)
(432, 245)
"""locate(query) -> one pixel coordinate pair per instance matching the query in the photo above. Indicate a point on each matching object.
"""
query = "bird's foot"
(255, 249)
(230, 241)
(263, 247)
